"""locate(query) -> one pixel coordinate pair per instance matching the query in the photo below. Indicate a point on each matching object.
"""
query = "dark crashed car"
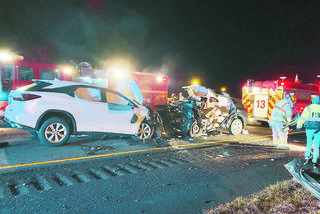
(203, 111)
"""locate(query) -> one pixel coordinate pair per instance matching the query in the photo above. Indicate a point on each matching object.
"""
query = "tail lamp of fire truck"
(259, 97)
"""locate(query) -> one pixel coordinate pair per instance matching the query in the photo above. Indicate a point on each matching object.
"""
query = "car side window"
(116, 98)
(90, 94)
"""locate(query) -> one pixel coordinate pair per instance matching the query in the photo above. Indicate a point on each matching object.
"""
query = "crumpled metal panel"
(311, 181)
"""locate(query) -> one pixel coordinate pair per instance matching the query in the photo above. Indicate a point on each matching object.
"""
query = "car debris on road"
(94, 148)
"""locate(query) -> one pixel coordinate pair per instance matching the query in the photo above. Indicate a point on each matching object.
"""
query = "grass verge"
(285, 197)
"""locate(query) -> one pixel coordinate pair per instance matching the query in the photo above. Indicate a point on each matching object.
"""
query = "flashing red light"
(138, 76)
(165, 79)
(300, 108)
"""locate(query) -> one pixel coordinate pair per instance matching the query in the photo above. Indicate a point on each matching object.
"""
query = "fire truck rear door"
(260, 106)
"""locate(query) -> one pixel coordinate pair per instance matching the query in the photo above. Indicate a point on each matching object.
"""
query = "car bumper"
(16, 125)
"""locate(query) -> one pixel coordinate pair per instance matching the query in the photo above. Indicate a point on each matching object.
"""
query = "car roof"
(62, 83)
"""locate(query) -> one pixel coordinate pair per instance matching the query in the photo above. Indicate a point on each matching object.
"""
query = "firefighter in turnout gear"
(310, 119)
(279, 120)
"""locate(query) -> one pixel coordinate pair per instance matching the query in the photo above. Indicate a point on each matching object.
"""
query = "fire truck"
(259, 97)
(15, 73)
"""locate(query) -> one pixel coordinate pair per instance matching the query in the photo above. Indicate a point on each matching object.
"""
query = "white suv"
(58, 109)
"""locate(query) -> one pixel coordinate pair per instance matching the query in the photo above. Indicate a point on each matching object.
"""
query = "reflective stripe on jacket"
(281, 112)
(310, 117)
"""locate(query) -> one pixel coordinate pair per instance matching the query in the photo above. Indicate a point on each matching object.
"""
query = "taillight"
(26, 97)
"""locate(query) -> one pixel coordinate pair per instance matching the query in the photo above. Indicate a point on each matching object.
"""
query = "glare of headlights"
(119, 75)
(67, 71)
(5, 57)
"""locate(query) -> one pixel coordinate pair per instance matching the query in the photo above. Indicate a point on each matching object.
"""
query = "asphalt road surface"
(125, 175)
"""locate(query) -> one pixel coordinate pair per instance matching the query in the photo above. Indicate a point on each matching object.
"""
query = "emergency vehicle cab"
(153, 86)
(259, 97)
(15, 73)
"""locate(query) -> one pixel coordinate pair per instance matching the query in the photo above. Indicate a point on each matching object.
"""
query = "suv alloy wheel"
(54, 132)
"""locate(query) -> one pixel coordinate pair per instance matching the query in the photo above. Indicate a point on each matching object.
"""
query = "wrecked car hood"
(131, 89)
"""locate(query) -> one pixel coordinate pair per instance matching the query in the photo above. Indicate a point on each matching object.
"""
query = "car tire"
(195, 130)
(145, 131)
(54, 132)
(235, 127)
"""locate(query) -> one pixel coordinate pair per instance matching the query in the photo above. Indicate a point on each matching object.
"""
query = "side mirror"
(134, 119)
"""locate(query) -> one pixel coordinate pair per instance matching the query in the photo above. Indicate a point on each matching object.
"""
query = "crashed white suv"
(58, 109)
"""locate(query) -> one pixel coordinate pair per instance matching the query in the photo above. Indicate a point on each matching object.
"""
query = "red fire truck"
(15, 72)
(259, 97)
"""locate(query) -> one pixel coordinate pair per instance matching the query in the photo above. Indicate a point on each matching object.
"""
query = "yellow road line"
(131, 152)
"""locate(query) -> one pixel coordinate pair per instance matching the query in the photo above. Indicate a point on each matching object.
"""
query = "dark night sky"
(221, 42)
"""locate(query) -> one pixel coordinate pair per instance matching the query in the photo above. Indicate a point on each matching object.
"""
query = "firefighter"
(279, 120)
(310, 119)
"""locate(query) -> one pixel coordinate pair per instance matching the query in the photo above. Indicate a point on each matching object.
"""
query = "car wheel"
(236, 127)
(54, 132)
(145, 131)
(195, 130)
